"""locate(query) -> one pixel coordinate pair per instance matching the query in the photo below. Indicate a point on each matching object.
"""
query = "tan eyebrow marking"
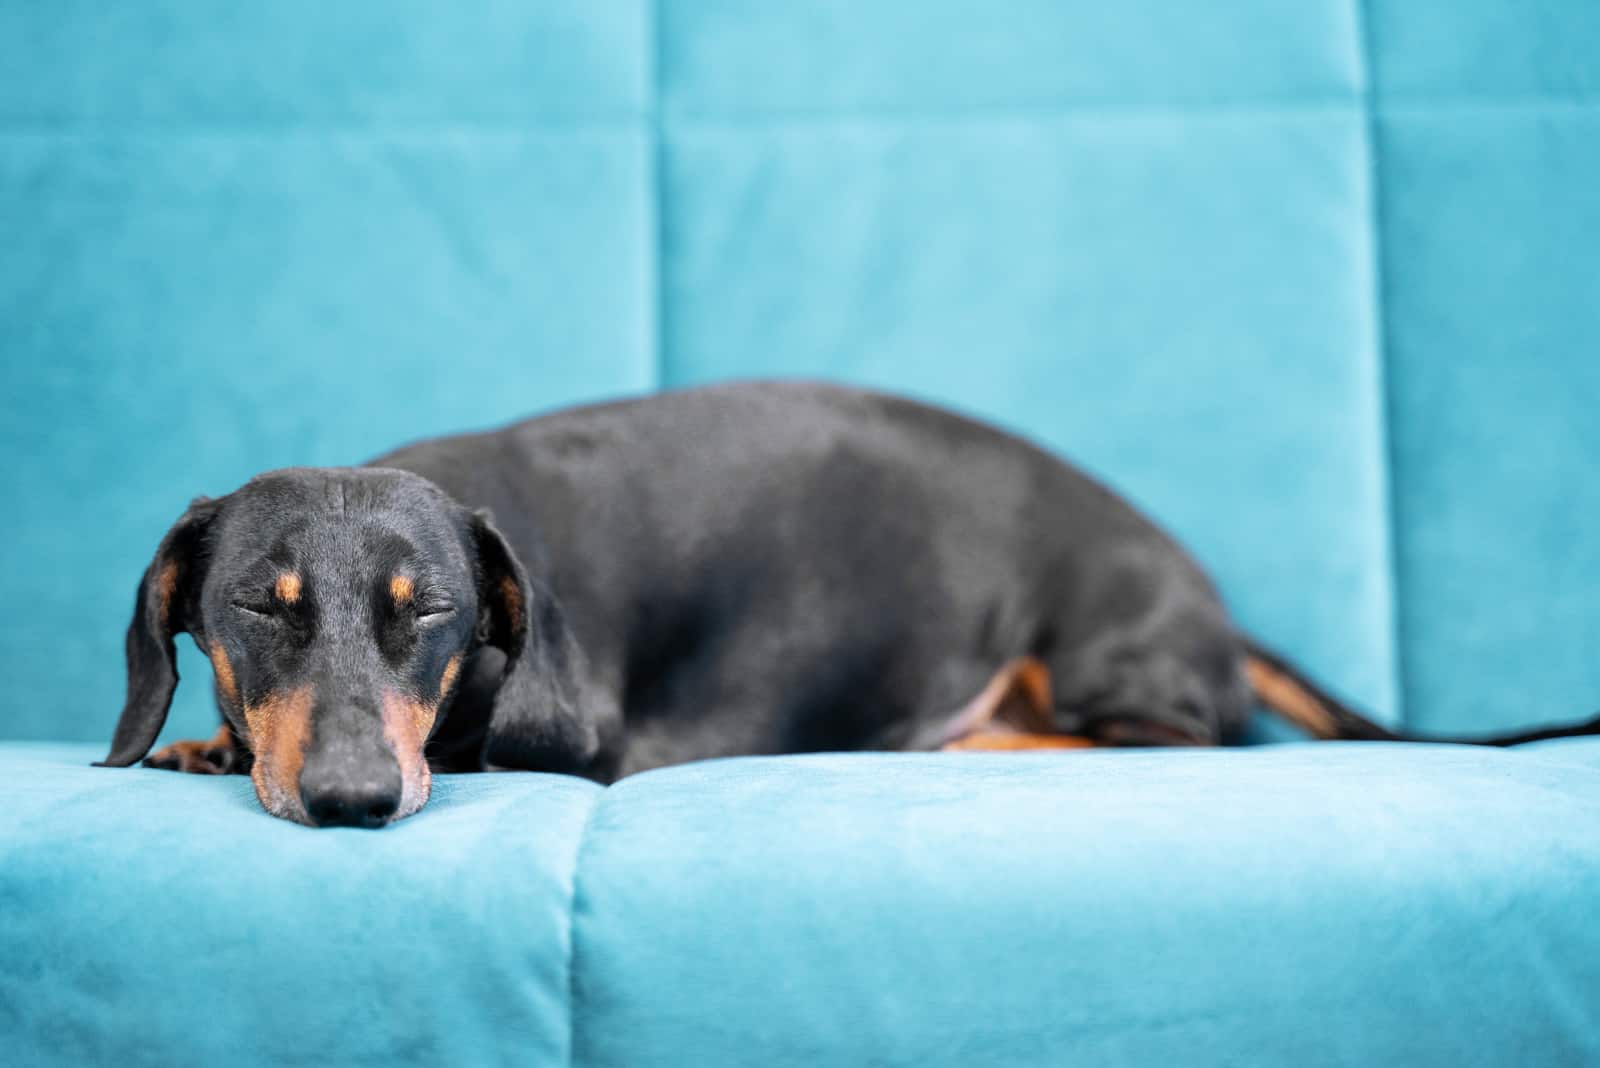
(401, 589)
(287, 587)
(448, 679)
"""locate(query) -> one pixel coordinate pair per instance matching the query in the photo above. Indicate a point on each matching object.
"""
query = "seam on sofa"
(656, 192)
(572, 926)
(1383, 406)
(1018, 111)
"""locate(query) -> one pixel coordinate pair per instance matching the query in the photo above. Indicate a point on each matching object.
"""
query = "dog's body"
(753, 568)
(781, 568)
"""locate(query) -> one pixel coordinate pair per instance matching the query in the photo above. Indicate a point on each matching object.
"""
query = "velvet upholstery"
(161, 919)
(1338, 904)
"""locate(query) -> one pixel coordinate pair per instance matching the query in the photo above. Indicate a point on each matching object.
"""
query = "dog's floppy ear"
(167, 604)
(539, 722)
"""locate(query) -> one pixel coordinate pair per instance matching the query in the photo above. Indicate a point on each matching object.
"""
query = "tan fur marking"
(406, 723)
(1283, 695)
(166, 586)
(191, 755)
(448, 679)
(511, 594)
(280, 726)
(992, 740)
(287, 587)
(407, 720)
(1016, 701)
(226, 684)
(401, 588)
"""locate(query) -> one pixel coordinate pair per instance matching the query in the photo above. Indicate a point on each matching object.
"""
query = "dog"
(751, 568)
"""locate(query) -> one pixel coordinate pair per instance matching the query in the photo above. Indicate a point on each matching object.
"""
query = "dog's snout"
(337, 794)
(350, 777)
(360, 805)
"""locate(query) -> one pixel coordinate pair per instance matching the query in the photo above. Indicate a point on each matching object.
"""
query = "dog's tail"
(1286, 690)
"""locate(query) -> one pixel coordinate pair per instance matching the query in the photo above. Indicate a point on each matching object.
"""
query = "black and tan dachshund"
(751, 568)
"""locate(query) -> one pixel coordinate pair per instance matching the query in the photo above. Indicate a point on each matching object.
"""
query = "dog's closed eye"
(434, 613)
(423, 603)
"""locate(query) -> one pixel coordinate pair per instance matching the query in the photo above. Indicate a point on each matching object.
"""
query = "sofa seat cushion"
(1302, 904)
(148, 917)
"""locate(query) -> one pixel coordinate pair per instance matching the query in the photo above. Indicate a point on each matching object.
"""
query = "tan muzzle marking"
(280, 727)
(407, 721)
(223, 668)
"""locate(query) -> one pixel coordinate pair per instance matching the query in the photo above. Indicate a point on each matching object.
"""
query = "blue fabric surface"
(752, 58)
(1495, 383)
(1311, 905)
(299, 61)
(1317, 904)
(1488, 154)
(1481, 52)
(153, 918)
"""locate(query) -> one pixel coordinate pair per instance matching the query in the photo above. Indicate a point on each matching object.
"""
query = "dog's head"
(337, 607)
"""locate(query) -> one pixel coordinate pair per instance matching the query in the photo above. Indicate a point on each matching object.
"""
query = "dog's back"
(776, 567)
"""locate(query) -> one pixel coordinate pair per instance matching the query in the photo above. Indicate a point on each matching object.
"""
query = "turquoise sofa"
(1316, 284)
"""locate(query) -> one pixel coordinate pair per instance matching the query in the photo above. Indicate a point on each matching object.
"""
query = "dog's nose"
(351, 804)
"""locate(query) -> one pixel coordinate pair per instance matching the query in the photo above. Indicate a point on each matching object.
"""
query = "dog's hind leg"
(1174, 680)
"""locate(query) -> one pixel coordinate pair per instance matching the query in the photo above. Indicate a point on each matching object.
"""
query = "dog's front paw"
(218, 755)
